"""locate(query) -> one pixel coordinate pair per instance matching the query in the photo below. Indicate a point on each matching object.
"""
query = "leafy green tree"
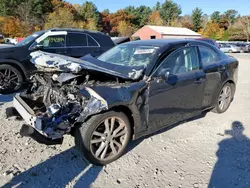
(197, 19)
(231, 15)
(169, 11)
(61, 18)
(89, 11)
(158, 6)
(7, 7)
(140, 14)
(125, 28)
(215, 17)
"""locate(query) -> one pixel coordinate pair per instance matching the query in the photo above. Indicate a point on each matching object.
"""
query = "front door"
(54, 44)
(181, 95)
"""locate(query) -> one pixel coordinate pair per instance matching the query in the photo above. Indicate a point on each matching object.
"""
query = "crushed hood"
(55, 62)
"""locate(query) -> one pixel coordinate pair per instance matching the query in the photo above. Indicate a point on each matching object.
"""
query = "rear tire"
(11, 79)
(230, 51)
(98, 138)
(224, 99)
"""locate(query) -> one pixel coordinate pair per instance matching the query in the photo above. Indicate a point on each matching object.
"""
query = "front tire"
(104, 137)
(224, 99)
(11, 79)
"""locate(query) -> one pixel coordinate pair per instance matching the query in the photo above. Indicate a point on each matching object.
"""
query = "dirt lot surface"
(213, 151)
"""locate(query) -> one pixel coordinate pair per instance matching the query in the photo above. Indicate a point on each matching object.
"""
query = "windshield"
(30, 38)
(129, 55)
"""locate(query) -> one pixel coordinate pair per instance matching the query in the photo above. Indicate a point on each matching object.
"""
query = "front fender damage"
(95, 105)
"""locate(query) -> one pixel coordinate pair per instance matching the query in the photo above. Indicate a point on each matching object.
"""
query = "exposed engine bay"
(60, 100)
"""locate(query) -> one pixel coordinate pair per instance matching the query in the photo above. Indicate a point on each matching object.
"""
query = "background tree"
(61, 18)
(212, 31)
(186, 21)
(157, 6)
(89, 11)
(155, 19)
(231, 16)
(197, 19)
(125, 28)
(140, 14)
(7, 7)
(242, 26)
(169, 11)
(11, 27)
(215, 17)
(106, 25)
(117, 17)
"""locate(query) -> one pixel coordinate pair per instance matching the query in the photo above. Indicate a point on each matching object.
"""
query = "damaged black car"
(130, 91)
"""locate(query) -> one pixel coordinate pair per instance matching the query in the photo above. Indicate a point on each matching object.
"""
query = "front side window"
(53, 41)
(129, 55)
(180, 61)
(208, 56)
(77, 39)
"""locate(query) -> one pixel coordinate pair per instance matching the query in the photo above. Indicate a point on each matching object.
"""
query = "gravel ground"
(208, 152)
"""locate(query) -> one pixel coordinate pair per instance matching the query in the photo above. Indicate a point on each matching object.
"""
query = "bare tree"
(244, 24)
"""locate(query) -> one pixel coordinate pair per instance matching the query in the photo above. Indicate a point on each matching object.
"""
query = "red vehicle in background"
(19, 39)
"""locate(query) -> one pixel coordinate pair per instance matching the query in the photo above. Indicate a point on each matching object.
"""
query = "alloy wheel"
(8, 79)
(108, 139)
(225, 98)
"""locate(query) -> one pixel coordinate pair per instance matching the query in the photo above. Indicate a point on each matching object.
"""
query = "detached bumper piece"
(29, 131)
(34, 124)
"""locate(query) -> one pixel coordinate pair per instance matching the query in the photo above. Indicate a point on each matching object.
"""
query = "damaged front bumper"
(49, 125)
(33, 128)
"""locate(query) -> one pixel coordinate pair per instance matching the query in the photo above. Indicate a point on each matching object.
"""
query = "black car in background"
(15, 65)
(130, 91)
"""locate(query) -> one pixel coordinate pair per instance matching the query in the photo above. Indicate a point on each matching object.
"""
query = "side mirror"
(37, 47)
(164, 77)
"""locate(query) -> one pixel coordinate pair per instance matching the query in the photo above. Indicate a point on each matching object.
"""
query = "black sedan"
(128, 92)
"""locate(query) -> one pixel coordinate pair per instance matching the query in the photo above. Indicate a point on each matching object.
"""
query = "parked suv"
(15, 65)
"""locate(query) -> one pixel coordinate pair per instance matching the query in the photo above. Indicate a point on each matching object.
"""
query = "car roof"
(74, 30)
(165, 42)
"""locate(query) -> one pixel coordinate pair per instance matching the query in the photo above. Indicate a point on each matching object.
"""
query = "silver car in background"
(229, 48)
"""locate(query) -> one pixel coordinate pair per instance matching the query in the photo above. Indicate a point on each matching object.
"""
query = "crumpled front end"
(54, 111)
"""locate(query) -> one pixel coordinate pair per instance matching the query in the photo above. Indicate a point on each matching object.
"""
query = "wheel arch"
(231, 82)
(128, 112)
(15, 64)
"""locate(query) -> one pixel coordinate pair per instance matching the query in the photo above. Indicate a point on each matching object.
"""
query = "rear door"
(181, 96)
(214, 69)
(81, 44)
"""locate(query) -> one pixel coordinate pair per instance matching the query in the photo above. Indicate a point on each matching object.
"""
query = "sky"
(207, 6)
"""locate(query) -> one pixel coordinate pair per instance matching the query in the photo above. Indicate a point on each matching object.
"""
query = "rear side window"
(77, 39)
(92, 42)
(208, 56)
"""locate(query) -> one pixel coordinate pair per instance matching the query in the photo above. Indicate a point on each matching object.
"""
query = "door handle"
(199, 80)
